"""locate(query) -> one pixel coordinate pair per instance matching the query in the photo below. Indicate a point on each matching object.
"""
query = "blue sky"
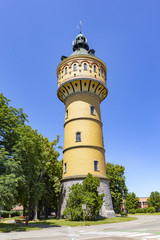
(126, 36)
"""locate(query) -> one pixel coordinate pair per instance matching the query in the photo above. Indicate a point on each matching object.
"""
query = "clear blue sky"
(34, 34)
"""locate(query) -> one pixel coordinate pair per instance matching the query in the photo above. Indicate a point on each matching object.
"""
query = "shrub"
(85, 193)
(123, 214)
(150, 210)
(5, 213)
(132, 211)
(139, 210)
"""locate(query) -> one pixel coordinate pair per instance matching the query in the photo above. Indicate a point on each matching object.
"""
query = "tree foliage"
(131, 201)
(154, 200)
(85, 193)
(10, 120)
(29, 169)
(118, 188)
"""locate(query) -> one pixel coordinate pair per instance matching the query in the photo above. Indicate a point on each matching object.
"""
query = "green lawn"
(67, 222)
(7, 227)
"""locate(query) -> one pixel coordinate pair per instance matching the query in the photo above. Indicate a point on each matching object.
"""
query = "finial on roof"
(80, 25)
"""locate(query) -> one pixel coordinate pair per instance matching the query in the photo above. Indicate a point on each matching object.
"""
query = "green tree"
(131, 201)
(29, 151)
(154, 200)
(118, 188)
(52, 177)
(40, 169)
(85, 193)
(10, 121)
(29, 166)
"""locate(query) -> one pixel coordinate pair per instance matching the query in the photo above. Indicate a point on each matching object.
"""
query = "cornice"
(83, 118)
(84, 146)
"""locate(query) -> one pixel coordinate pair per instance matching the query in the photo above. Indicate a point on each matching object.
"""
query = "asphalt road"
(147, 227)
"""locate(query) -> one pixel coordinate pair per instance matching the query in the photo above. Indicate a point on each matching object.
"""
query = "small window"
(75, 67)
(65, 167)
(92, 110)
(67, 113)
(78, 136)
(94, 68)
(96, 167)
(65, 70)
(85, 66)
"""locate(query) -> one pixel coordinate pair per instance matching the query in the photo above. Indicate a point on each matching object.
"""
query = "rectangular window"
(65, 167)
(78, 136)
(85, 66)
(74, 67)
(67, 113)
(92, 110)
(65, 70)
(96, 167)
(94, 68)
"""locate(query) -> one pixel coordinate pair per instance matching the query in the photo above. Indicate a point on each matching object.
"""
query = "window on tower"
(92, 110)
(78, 136)
(95, 70)
(96, 165)
(85, 66)
(65, 70)
(67, 113)
(75, 67)
(65, 167)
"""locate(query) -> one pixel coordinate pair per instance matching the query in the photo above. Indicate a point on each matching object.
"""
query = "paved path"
(145, 228)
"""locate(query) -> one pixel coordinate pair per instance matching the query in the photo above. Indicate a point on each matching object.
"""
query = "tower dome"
(80, 42)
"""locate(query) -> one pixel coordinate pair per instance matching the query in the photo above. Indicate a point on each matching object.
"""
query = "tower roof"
(80, 47)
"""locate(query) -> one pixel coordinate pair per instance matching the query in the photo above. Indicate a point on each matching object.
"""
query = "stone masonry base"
(107, 207)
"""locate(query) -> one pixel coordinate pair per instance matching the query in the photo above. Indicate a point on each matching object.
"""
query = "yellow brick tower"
(82, 87)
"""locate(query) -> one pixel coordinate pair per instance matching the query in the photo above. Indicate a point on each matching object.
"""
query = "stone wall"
(107, 208)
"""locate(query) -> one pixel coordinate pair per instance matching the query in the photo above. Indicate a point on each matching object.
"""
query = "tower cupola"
(80, 42)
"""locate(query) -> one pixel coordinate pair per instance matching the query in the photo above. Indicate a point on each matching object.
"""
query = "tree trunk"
(35, 216)
(46, 211)
(24, 210)
(39, 214)
(30, 212)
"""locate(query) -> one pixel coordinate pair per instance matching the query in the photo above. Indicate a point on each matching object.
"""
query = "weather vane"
(80, 26)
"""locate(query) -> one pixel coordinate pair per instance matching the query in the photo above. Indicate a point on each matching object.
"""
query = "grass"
(12, 218)
(7, 227)
(157, 213)
(67, 222)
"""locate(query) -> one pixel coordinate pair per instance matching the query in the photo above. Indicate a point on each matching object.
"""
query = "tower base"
(107, 207)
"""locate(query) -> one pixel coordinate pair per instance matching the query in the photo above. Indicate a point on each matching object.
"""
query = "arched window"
(78, 136)
(75, 67)
(92, 110)
(65, 70)
(85, 66)
(65, 167)
(96, 165)
(95, 68)
(67, 113)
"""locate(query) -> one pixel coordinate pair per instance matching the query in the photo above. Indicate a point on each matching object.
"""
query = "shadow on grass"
(8, 227)
(68, 222)
(42, 224)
